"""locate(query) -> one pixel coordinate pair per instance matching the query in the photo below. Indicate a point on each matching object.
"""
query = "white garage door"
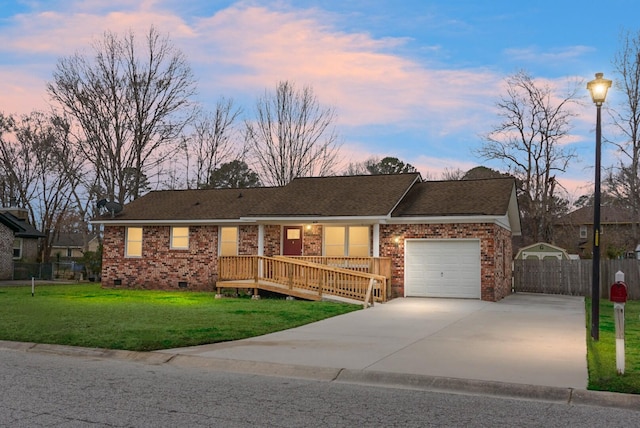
(442, 268)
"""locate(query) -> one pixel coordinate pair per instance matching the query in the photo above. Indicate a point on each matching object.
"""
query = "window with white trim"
(342, 241)
(133, 242)
(228, 241)
(179, 238)
(583, 232)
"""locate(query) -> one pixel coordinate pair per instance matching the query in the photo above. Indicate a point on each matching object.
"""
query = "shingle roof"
(222, 204)
(401, 195)
(20, 228)
(460, 197)
(358, 195)
(608, 215)
(67, 240)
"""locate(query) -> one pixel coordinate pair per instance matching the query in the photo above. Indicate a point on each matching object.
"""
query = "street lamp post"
(598, 89)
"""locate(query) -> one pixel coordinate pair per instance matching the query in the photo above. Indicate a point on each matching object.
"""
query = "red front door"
(292, 242)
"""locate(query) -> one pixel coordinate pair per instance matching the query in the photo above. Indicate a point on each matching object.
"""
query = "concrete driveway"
(523, 339)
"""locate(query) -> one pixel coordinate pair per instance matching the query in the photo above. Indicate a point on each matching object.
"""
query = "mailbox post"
(618, 295)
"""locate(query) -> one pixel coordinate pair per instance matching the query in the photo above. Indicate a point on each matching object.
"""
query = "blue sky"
(416, 80)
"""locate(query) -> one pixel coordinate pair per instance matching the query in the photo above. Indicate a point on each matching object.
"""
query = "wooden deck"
(300, 278)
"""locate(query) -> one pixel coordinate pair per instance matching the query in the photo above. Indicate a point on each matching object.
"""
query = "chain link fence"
(48, 271)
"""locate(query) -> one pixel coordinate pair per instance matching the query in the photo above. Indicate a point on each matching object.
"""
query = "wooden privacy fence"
(573, 277)
(300, 278)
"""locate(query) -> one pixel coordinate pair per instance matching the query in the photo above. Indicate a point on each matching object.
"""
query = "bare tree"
(623, 180)
(213, 142)
(131, 101)
(292, 135)
(534, 121)
(8, 181)
(453, 174)
(38, 159)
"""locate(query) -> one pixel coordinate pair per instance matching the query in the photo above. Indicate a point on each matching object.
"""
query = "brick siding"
(161, 267)
(196, 268)
(6, 252)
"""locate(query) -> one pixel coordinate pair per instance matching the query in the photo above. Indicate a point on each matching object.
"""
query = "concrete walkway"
(523, 339)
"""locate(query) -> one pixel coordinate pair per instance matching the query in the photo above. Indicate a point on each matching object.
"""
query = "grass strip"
(601, 355)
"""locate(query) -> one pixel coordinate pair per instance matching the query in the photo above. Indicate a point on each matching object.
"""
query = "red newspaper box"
(618, 292)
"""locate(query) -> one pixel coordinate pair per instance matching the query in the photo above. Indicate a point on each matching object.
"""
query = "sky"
(412, 79)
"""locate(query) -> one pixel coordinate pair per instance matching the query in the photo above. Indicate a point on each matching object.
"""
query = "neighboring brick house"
(18, 240)
(574, 232)
(444, 238)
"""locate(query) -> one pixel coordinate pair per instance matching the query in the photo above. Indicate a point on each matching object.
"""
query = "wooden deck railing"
(376, 265)
(287, 274)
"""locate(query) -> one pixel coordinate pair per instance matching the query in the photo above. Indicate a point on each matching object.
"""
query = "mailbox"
(618, 292)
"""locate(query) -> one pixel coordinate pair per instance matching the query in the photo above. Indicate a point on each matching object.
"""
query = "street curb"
(363, 377)
(466, 386)
(326, 374)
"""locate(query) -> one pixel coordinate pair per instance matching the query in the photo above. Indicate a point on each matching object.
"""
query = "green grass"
(601, 355)
(144, 320)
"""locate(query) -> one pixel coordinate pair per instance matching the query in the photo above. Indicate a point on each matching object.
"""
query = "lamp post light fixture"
(598, 89)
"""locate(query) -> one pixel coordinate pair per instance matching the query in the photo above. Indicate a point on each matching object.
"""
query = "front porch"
(364, 279)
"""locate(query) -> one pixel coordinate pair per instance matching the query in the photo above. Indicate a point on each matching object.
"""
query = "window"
(228, 241)
(180, 238)
(334, 241)
(583, 232)
(17, 248)
(69, 252)
(359, 241)
(133, 243)
(340, 241)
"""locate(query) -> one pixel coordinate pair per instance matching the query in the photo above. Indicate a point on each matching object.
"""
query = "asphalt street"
(45, 389)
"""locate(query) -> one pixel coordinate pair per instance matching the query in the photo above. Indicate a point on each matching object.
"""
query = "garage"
(442, 268)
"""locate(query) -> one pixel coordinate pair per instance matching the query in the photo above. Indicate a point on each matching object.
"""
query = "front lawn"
(145, 320)
(601, 355)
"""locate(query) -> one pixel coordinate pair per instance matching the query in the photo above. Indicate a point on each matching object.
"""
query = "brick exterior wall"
(29, 251)
(6, 252)
(272, 244)
(161, 267)
(495, 253)
(196, 268)
(312, 240)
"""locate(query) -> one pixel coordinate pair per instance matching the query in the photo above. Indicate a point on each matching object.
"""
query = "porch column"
(261, 239)
(376, 240)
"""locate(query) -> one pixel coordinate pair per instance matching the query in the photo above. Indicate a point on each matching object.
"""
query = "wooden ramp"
(301, 279)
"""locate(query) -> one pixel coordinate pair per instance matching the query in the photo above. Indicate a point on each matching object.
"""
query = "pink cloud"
(250, 48)
(63, 31)
(350, 70)
(21, 93)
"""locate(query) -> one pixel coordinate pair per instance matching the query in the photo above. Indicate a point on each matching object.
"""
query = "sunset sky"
(417, 80)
